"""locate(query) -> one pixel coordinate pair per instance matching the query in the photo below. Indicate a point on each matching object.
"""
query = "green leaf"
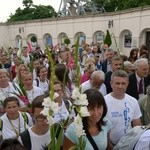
(30, 65)
(73, 147)
(77, 62)
(52, 72)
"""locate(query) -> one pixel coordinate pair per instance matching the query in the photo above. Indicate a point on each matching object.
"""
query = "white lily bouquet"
(50, 108)
(80, 104)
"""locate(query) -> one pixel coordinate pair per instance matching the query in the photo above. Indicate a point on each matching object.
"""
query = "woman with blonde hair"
(21, 69)
(88, 70)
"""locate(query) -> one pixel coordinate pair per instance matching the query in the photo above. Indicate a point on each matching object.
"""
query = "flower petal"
(56, 95)
(47, 102)
(79, 126)
(75, 93)
(84, 111)
(45, 111)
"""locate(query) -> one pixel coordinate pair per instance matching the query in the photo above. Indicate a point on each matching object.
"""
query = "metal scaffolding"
(79, 7)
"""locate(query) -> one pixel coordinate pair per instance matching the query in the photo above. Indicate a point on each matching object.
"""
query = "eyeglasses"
(40, 118)
(58, 90)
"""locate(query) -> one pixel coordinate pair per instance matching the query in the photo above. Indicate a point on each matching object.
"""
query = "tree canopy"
(113, 5)
(107, 39)
(31, 12)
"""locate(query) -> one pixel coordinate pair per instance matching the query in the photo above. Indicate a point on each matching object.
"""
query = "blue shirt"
(100, 139)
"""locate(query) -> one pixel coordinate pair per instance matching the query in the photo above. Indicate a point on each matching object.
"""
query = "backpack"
(24, 115)
(128, 141)
(37, 82)
(25, 137)
(26, 140)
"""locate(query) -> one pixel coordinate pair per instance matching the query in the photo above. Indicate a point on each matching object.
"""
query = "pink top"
(84, 77)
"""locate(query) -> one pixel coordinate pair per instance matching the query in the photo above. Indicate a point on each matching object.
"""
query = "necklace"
(17, 132)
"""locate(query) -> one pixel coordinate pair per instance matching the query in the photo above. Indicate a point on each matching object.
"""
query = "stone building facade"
(129, 29)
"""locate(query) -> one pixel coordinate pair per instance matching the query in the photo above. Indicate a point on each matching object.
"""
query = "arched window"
(63, 36)
(98, 37)
(127, 39)
(82, 39)
(48, 40)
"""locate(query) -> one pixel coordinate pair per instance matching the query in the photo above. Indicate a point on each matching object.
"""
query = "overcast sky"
(9, 6)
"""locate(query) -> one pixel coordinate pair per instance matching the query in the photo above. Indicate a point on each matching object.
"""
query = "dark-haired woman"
(36, 64)
(41, 81)
(62, 74)
(96, 125)
(133, 55)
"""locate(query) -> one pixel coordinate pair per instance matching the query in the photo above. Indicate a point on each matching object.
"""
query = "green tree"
(27, 3)
(67, 41)
(107, 39)
(31, 12)
(42, 11)
(113, 5)
(33, 39)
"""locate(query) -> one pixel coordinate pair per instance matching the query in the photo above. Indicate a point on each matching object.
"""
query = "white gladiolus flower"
(82, 100)
(78, 126)
(45, 111)
(50, 120)
(54, 107)
(47, 102)
(77, 120)
(56, 95)
(75, 93)
(84, 111)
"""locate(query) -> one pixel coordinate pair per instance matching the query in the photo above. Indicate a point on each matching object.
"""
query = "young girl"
(41, 81)
(36, 64)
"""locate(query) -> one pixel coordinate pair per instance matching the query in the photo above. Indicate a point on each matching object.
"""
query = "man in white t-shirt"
(123, 110)
(96, 82)
(37, 137)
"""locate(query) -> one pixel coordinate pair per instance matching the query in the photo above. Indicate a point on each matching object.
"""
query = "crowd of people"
(117, 89)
